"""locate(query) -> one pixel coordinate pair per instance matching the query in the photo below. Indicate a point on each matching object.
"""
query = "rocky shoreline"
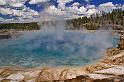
(109, 69)
(8, 34)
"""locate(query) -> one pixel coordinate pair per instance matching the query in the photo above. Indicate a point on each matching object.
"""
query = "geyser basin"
(53, 48)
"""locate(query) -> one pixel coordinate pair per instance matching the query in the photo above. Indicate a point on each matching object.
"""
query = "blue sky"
(31, 9)
(93, 2)
(97, 2)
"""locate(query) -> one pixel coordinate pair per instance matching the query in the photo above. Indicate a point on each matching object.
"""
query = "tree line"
(20, 26)
(113, 20)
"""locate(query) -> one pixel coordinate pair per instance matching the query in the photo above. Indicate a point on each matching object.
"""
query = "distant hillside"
(19, 26)
(114, 20)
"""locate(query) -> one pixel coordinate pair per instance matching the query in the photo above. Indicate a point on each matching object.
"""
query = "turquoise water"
(66, 48)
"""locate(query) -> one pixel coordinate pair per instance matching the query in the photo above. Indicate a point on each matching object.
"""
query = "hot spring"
(55, 48)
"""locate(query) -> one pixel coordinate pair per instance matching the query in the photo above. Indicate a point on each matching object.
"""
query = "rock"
(63, 74)
(15, 77)
(72, 73)
(6, 72)
(47, 74)
(121, 43)
(1, 78)
(104, 80)
(5, 36)
(116, 70)
(31, 80)
(113, 51)
(33, 74)
(5, 80)
(99, 76)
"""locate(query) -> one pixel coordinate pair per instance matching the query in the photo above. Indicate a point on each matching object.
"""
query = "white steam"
(60, 47)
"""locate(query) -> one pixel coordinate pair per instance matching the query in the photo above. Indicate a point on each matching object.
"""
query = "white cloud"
(6, 11)
(91, 11)
(2, 2)
(61, 6)
(1, 18)
(87, 0)
(106, 7)
(108, 4)
(90, 6)
(19, 12)
(123, 7)
(25, 13)
(55, 11)
(68, 12)
(17, 4)
(37, 1)
(76, 4)
(82, 10)
(73, 10)
(118, 6)
(14, 2)
(64, 1)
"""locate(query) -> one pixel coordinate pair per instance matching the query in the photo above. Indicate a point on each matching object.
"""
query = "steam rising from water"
(54, 46)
